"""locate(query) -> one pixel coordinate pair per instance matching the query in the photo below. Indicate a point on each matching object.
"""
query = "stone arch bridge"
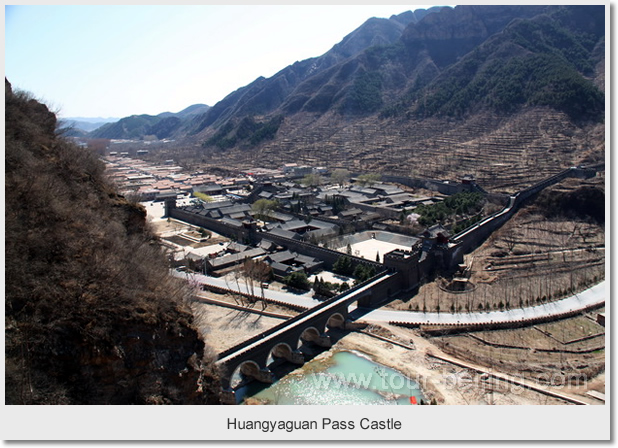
(284, 340)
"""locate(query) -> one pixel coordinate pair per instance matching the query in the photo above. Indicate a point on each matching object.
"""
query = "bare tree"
(340, 176)
(237, 276)
(258, 271)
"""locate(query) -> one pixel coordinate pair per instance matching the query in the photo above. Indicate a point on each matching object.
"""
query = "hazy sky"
(115, 61)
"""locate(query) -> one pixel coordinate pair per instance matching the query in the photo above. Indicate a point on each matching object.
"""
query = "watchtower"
(407, 263)
(170, 204)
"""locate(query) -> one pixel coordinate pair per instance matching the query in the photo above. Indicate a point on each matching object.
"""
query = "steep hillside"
(508, 93)
(544, 60)
(92, 316)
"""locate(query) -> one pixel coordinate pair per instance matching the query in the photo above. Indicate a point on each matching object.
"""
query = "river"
(339, 378)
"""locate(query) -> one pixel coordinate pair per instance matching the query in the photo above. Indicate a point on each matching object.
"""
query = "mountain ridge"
(373, 31)
(264, 95)
(405, 109)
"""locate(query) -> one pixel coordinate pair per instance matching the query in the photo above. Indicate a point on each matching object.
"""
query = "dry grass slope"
(91, 315)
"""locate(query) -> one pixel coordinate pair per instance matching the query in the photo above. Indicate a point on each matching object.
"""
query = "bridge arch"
(309, 334)
(242, 371)
(283, 350)
(249, 369)
(315, 336)
(249, 360)
(335, 320)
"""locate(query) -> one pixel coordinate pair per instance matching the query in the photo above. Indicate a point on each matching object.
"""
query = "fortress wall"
(475, 235)
(240, 234)
(386, 289)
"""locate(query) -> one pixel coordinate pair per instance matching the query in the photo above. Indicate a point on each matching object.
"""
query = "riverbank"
(447, 383)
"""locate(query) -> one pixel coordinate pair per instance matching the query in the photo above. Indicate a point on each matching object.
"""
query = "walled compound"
(400, 269)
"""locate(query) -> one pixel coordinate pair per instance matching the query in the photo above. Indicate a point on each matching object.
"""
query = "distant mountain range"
(162, 125)
(194, 119)
(404, 83)
(83, 125)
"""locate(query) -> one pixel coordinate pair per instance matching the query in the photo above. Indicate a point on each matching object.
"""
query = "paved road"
(592, 296)
(276, 296)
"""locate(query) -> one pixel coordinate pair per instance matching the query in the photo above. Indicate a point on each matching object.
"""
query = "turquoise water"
(344, 378)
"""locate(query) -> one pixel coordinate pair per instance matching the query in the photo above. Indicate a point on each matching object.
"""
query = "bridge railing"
(272, 330)
(298, 317)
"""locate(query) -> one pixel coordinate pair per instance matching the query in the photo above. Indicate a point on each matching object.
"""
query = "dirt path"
(222, 327)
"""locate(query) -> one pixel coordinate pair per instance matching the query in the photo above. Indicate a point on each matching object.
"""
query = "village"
(361, 217)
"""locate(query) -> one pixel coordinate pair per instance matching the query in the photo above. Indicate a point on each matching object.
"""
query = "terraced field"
(532, 259)
(571, 350)
(506, 154)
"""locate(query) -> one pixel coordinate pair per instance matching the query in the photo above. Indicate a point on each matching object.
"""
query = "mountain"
(407, 92)
(91, 313)
(262, 95)
(538, 59)
(266, 95)
(164, 125)
(81, 126)
(91, 119)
